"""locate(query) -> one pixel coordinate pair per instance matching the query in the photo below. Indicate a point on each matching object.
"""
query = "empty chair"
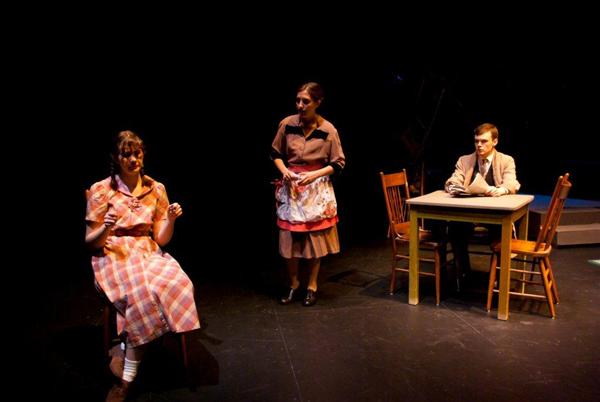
(396, 192)
(535, 255)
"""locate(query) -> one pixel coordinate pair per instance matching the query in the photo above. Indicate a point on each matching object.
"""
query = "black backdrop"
(208, 113)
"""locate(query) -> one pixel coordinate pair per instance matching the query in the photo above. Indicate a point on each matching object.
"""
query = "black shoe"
(310, 299)
(290, 297)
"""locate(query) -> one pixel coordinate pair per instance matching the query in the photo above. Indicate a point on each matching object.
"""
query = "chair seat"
(524, 247)
(425, 238)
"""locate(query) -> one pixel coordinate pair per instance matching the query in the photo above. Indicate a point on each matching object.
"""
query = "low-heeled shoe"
(310, 299)
(117, 361)
(118, 393)
(287, 299)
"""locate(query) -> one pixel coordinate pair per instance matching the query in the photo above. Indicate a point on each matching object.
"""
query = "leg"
(437, 263)
(314, 265)
(294, 283)
(439, 229)
(133, 356)
(551, 278)
(107, 326)
(504, 278)
(491, 281)
(459, 233)
(547, 287)
(292, 269)
(135, 353)
(184, 351)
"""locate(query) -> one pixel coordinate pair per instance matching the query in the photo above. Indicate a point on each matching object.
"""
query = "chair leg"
(186, 361)
(393, 280)
(491, 281)
(552, 281)
(547, 287)
(436, 256)
(184, 351)
(106, 326)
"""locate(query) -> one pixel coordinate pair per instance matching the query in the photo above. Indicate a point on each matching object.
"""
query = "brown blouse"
(322, 147)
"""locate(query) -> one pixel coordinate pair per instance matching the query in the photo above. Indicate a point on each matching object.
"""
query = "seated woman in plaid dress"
(128, 219)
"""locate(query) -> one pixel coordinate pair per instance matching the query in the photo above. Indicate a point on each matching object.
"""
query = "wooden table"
(504, 211)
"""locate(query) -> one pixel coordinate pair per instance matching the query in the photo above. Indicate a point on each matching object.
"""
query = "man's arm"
(457, 180)
(509, 175)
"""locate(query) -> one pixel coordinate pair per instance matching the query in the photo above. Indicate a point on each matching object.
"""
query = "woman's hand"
(109, 243)
(110, 218)
(174, 211)
(97, 233)
(305, 178)
(288, 175)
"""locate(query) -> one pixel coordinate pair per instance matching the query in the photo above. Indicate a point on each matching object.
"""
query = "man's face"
(484, 145)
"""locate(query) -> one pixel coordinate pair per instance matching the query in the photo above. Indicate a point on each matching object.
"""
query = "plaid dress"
(147, 286)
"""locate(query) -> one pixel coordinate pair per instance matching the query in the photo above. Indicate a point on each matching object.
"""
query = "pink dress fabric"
(151, 292)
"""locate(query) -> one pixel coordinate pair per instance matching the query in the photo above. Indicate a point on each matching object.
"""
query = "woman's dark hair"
(314, 90)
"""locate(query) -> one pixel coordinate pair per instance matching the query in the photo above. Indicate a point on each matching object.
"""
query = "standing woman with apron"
(306, 150)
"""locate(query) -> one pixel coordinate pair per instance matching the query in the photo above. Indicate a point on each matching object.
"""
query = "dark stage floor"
(357, 344)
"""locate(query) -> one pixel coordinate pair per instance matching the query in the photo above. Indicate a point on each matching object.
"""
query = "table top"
(440, 198)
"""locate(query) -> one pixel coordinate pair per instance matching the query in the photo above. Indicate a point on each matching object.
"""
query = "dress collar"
(147, 186)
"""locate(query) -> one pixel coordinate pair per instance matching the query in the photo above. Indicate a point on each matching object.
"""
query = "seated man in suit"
(499, 172)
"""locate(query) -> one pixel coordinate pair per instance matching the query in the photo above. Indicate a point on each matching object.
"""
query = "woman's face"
(305, 105)
(131, 160)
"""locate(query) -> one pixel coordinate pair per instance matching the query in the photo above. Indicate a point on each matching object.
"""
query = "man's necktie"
(483, 167)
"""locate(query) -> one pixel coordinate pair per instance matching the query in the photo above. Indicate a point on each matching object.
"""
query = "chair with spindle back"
(540, 273)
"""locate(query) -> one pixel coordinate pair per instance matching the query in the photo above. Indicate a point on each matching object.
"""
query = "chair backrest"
(548, 229)
(396, 192)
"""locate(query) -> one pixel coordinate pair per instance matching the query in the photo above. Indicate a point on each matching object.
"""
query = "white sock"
(130, 369)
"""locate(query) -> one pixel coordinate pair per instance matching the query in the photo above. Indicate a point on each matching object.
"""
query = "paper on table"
(478, 186)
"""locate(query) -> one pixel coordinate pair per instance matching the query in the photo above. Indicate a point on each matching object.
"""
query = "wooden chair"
(538, 252)
(396, 192)
(109, 318)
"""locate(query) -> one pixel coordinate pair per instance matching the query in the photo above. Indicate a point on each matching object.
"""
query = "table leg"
(413, 263)
(503, 295)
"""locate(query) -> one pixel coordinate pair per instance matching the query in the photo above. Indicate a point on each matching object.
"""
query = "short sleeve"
(162, 202)
(278, 147)
(97, 203)
(337, 159)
